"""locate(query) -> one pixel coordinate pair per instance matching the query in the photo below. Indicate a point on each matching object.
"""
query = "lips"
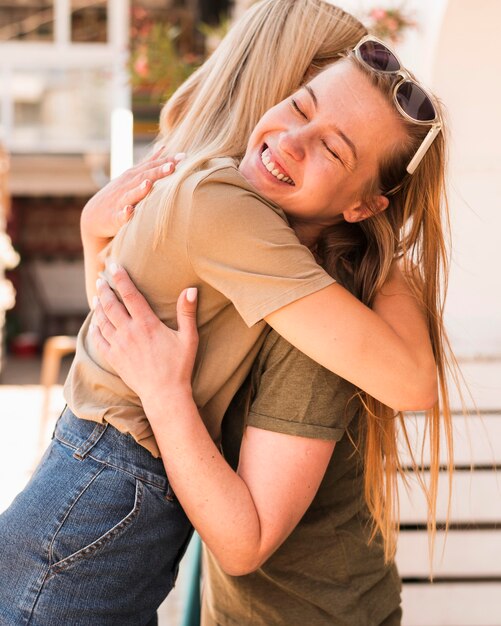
(274, 168)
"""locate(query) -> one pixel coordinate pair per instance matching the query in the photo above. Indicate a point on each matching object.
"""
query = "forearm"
(93, 264)
(112, 207)
(335, 329)
(215, 498)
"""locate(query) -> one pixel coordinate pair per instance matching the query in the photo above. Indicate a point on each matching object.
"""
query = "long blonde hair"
(213, 113)
(413, 229)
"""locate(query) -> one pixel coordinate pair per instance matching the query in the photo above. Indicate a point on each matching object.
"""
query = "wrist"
(91, 239)
(174, 401)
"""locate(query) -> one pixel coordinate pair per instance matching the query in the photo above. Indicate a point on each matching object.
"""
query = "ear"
(366, 209)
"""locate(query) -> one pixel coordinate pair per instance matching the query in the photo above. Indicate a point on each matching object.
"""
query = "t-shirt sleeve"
(296, 396)
(244, 249)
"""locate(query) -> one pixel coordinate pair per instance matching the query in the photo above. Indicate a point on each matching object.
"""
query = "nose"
(292, 143)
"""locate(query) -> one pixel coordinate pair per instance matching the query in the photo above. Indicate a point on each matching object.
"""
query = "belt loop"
(81, 452)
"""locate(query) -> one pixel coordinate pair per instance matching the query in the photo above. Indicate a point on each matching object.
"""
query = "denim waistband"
(106, 444)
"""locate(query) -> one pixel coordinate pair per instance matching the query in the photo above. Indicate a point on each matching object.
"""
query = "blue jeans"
(96, 536)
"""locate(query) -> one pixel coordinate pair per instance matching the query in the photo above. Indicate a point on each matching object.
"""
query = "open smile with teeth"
(274, 169)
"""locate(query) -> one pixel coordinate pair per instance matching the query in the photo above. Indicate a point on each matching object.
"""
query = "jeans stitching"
(89, 550)
(70, 509)
(141, 478)
(164, 485)
(83, 450)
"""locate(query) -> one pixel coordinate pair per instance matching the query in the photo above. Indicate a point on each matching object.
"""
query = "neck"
(307, 233)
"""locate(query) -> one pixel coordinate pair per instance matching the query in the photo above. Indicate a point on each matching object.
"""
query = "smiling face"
(315, 153)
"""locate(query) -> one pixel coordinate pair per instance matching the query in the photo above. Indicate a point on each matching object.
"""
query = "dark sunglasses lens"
(379, 57)
(415, 102)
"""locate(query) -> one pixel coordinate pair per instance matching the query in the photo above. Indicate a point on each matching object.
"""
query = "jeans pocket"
(102, 511)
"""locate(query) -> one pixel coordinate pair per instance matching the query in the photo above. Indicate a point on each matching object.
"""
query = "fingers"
(99, 319)
(187, 313)
(133, 301)
(139, 191)
(109, 306)
(163, 167)
(149, 174)
(125, 214)
(100, 343)
(158, 161)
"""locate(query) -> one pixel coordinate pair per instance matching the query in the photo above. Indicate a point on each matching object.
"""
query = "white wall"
(467, 73)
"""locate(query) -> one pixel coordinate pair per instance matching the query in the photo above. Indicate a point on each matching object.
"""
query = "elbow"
(239, 565)
(237, 569)
(421, 394)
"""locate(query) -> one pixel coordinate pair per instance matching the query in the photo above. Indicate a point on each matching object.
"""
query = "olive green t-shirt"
(325, 573)
(223, 237)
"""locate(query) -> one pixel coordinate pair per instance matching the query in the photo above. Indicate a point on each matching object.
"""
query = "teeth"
(270, 166)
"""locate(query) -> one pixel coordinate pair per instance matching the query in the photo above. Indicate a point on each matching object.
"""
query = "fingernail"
(180, 156)
(99, 283)
(191, 294)
(145, 183)
(113, 267)
(167, 168)
(95, 302)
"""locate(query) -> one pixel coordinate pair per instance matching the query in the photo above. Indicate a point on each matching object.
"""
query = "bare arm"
(278, 477)
(385, 351)
(278, 474)
(113, 206)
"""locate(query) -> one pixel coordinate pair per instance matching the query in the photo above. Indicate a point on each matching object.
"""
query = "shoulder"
(220, 189)
(290, 387)
(278, 354)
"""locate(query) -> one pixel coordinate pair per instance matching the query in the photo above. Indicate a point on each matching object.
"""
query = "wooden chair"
(55, 348)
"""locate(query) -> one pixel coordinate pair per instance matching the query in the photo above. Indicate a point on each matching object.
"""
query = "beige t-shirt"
(325, 573)
(237, 248)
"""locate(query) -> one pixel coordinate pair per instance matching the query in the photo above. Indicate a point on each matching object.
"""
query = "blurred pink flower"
(392, 24)
(139, 13)
(378, 14)
(141, 66)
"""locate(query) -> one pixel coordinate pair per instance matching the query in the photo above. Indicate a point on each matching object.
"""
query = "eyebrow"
(343, 136)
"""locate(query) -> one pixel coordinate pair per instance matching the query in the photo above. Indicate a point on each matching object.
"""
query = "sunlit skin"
(328, 138)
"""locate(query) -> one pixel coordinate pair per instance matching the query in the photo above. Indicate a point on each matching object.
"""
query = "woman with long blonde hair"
(259, 269)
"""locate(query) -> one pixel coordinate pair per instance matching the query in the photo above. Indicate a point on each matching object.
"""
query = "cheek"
(327, 179)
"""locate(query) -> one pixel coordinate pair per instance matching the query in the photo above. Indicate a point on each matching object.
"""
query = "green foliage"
(156, 65)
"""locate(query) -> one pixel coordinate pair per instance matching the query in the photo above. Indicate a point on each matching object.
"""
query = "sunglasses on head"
(411, 100)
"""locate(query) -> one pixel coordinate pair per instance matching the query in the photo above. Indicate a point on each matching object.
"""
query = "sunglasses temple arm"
(423, 148)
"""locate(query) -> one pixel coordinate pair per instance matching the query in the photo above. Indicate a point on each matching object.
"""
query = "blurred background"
(81, 86)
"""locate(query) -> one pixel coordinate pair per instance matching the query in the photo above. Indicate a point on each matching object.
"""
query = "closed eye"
(297, 109)
(334, 154)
